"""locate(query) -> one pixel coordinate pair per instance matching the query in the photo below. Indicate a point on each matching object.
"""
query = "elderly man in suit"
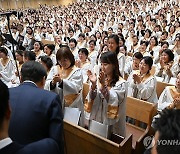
(36, 113)
(7, 146)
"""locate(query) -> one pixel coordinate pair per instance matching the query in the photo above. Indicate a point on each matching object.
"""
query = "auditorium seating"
(78, 140)
(141, 111)
(160, 87)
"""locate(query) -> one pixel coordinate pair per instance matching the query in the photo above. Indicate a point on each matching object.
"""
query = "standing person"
(36, 113)
(48, 49)
(113, 46)
(7, 146)
(107, 96)
(7, 66)
(67, 80)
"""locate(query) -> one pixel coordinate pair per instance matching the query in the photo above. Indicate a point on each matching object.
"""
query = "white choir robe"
(146, 90)
(7, 71)
(166, 78)
(84, 68)
(53, 58)
(71, 94)
(92, 57)
(166, 97)
(128, 65)
(111, 113)
(121, 61)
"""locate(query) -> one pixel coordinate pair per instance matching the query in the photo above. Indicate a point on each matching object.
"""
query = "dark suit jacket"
(36, 114)
(45, 146)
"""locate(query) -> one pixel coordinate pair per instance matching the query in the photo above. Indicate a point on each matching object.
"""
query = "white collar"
(26, 81)
(5, 142)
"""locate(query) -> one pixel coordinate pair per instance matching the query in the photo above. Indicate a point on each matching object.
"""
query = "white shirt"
(5, 142)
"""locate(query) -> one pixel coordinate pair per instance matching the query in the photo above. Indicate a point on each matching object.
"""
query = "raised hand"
(102, 78)
(56, 79)
(136, 78)
(92, 77)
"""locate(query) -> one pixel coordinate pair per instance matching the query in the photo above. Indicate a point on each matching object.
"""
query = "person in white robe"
(92, 52)
(38, 49)
(7, 67)
(83, 63)
(142, 84)
(133, 64)
(49, 49)
(66, 80)
(170, 96)
(166, 68)
(105, 102)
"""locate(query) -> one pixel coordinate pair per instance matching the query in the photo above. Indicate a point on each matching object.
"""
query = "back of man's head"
(168, 130)
(4, 99)
(33, 71)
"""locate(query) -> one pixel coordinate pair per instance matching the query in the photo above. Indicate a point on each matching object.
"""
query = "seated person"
(170, 97)
(134, 64)
(166, 67)
(142, 84)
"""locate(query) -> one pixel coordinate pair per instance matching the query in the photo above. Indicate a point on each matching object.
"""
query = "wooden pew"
(160, 87)
(78, 140)
(47, 42)
(141, 111)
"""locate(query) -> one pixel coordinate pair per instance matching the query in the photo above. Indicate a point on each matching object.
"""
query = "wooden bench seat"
(81, 141)
(141, 111)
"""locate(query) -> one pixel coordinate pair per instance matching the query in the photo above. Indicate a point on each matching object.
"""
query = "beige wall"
(15, 4)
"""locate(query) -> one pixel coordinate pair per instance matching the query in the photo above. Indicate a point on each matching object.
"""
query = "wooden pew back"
(141, 111)
(160, 87)
(81, 141)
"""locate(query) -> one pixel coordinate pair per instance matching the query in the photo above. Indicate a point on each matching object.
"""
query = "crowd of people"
(120, 48)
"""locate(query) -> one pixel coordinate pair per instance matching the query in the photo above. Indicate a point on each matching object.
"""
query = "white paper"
(72, 115)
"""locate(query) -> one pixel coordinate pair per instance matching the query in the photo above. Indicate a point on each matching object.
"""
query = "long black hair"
(111, 58)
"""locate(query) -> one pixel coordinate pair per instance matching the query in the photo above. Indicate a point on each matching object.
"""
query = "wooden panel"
(139, 109)
(81, 141)
(14, 4)
(160, 87)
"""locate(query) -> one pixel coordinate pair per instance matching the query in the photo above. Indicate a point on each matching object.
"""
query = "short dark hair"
(47, 60)
(83, 50)
(92, 41)
(4, 50)
(148, 60)
(156, 40)
(51, 47)
(33, 71)
(30, 55)
(19, 52)
(65, 52)
(4, 95)
(169, 53)
(168, 126)
(73, 40)
(138, 55)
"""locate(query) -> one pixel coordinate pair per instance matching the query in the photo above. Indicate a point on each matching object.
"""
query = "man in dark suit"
(36, 113)
(7, 146)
